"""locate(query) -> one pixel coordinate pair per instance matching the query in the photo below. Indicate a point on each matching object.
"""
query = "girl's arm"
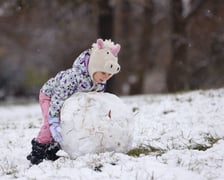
(65, 88)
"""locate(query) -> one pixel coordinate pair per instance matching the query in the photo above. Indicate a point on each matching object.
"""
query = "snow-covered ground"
(182, 135)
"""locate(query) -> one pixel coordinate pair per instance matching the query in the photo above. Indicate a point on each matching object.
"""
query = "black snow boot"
(38, 152)
(51, 151)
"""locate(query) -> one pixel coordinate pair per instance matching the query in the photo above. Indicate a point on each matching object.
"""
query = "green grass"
(145, 150)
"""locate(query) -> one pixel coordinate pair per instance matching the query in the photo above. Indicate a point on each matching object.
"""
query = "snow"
(95, 123)
(187, 129)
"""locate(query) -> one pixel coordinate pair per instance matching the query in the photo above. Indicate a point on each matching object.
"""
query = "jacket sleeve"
(66, 87)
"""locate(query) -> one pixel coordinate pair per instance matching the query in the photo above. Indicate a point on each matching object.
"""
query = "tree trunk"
(105, 29)
(177, 77)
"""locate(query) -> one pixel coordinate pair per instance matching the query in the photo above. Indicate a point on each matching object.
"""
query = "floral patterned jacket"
(68, 82)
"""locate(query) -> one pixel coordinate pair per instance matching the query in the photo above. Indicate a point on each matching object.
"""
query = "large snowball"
(95, 122)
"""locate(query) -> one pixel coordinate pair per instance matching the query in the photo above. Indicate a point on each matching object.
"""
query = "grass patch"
(211, 141)
(200, 147)
(145, 150)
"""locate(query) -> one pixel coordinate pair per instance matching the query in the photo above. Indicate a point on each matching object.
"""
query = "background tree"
(178, 71)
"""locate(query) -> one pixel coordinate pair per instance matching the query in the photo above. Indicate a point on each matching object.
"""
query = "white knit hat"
(103, 58)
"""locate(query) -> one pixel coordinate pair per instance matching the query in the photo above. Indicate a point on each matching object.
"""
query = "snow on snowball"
(94, 123)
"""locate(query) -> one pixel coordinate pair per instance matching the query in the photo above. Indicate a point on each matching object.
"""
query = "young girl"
(89, 72)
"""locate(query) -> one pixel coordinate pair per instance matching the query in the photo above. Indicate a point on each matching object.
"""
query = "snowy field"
(176, 137)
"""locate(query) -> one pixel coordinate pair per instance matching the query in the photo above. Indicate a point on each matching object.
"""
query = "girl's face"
(101, 77)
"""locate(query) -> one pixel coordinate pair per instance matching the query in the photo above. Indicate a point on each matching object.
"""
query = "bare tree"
(105, 28)
(178, 71)
(132, 28)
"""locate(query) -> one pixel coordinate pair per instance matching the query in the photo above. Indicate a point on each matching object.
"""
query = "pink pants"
(44, 135)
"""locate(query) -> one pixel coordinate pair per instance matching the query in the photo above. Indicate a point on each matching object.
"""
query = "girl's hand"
(55, 129)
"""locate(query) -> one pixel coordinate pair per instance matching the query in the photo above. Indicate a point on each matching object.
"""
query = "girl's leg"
(44, 135)
(42, 146)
